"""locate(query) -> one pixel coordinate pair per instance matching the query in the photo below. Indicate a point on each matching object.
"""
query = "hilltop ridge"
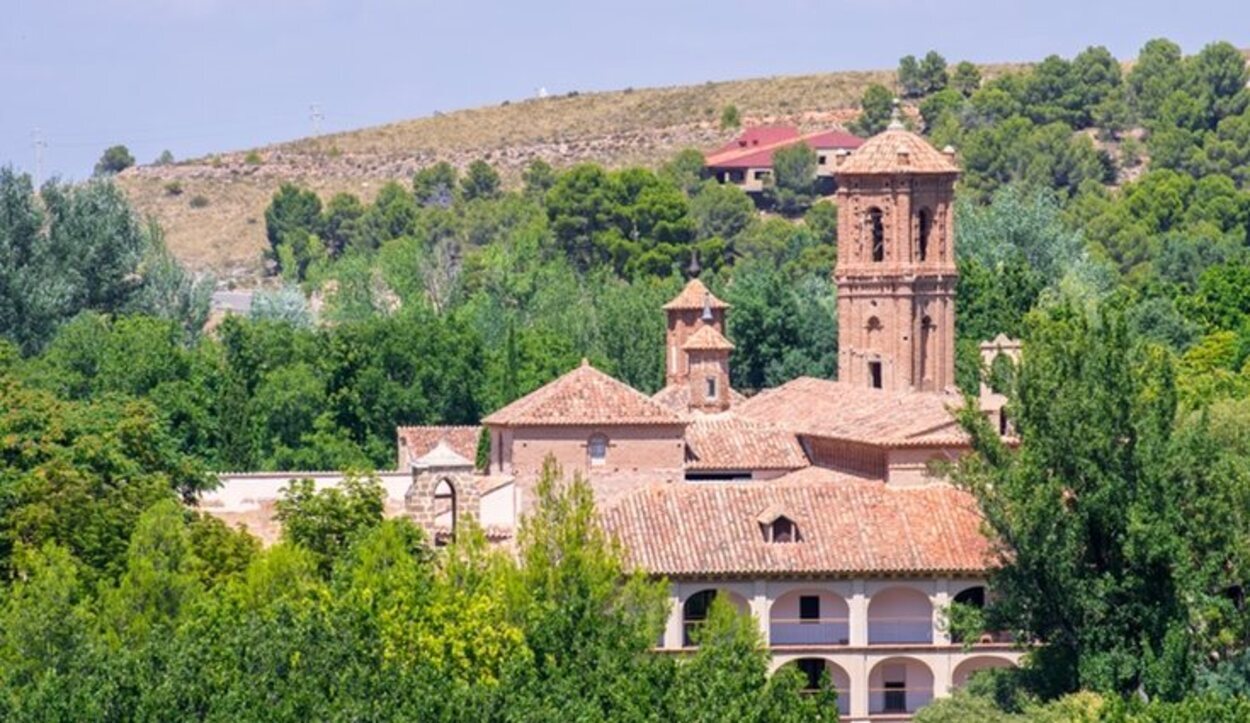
(212, 208)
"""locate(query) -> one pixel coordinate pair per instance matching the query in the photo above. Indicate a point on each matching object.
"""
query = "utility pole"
(36, 139)
(316, 116)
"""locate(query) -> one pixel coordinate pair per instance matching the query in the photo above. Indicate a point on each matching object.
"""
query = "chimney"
(949, 152)
(839, 156)
(904, 156)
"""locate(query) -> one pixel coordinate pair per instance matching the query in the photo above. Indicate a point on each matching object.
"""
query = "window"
(783, 530)
(694, 612)
(926, 224)
(874, 374)
(761, 175)
(878, 234)
(445, 505)
(598, 449)
(711, 387)
(895, 696)
(813, 669)
(822, 159)
(809, 608)
(737, 176)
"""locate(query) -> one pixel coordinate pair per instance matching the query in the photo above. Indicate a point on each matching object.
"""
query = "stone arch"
(874, 224)
(924, 232)
(965, 670)
(813, 668)
(822, 619)
(899, 685)
(445, 504)
(900, 615)
(439, 500)
(695, 607)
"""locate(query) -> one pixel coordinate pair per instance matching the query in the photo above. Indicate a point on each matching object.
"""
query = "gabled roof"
(893, 151)
(847, 527)
(707, 338)
(442, 456)
(419, 441)
(694, 296)
(584, 396)
(726, 441)
(837, 410)
(756, 147)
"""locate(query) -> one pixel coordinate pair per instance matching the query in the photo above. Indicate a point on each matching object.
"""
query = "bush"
(173, 188)
(252, 158)
(730, 118)
(114, 160)
(199, 201)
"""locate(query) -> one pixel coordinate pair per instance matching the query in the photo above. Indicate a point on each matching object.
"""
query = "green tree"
(875, 108)
(685, 170)
(327, 522)
(340, 223)
(910, 78)
(293, 217)
(1155, 76)
(966, 78)
(480, 181)
(115, 159)
(435, 185)
(722, 211)
(539, 177)
(794, 178)
(730, 118)
(1106, 497)
(933, 72)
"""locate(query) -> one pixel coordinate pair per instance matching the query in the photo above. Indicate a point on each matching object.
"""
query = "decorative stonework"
(443, 493)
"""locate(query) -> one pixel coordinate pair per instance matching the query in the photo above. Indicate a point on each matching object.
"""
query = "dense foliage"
(1103, 216)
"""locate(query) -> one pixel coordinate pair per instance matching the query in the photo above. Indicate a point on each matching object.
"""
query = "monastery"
(815, 506)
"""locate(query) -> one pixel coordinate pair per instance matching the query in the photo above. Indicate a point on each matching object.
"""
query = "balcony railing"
(809, 631)
(898, 699)
(886, 631)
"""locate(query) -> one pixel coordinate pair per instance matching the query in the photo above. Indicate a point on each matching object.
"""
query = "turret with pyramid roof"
(693, 309)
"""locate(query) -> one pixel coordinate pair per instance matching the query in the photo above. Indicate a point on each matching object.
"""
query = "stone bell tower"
(896, 263)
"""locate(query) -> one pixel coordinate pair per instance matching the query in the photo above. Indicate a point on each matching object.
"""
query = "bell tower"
(896, 269)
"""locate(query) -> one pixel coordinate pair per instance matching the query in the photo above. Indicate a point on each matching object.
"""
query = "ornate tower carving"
(896, 263)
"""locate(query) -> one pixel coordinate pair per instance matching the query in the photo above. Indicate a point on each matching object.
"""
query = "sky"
(198, 76)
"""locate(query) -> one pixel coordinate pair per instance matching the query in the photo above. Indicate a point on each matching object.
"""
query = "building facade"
(818, 507)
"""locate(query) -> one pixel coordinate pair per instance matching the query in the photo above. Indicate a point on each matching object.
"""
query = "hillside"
(617, 128)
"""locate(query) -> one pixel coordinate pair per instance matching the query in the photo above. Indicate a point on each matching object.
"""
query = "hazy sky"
(196, 76)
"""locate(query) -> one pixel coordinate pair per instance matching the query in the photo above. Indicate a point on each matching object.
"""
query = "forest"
(1103, 216)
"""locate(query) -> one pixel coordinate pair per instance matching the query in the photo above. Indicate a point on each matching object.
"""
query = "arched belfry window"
(926, 226)
(876, 227)
(783, 529)
(445, 505)
(597, 450)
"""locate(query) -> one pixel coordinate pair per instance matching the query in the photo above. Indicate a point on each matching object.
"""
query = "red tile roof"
(823, 408)
(693, 296)
(760, 154)
(726, 441)
(846, 527)
(896, 151)
(677, 397)
(584, 396)
(707, 338)
(420, 441)
(759, 136)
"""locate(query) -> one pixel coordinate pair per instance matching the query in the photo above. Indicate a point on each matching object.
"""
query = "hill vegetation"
(1122, 515)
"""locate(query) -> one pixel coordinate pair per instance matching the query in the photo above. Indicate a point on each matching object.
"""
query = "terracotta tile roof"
(823, 408)
(884, 153)
(420, 441)
(584, 396)
(849, 527)
(729, 442)
(758, 136)
(757, 151)
(677, 397)
(694, 296)
(707, 338)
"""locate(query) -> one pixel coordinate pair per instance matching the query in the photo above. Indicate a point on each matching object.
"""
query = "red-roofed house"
(748, 161)
(815, 506)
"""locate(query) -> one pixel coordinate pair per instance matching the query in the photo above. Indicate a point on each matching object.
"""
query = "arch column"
(858, 604)
(759, 605)
(857, 669)
(941, 601)
(673, 632)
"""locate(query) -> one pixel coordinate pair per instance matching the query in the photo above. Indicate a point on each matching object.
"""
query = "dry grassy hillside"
(618, 128)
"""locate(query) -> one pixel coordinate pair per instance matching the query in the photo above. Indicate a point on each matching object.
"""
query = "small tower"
(443, 491)
(896, 263)
(707, 354)
(694, 308)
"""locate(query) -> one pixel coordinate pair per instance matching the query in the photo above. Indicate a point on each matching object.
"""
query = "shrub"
(730, 118)
(252, 158)
(199, 201)
(173, 188)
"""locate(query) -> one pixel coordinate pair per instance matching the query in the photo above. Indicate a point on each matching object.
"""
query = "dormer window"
(784, 530)
(711, 387)
(777, 527)
(597, 450)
